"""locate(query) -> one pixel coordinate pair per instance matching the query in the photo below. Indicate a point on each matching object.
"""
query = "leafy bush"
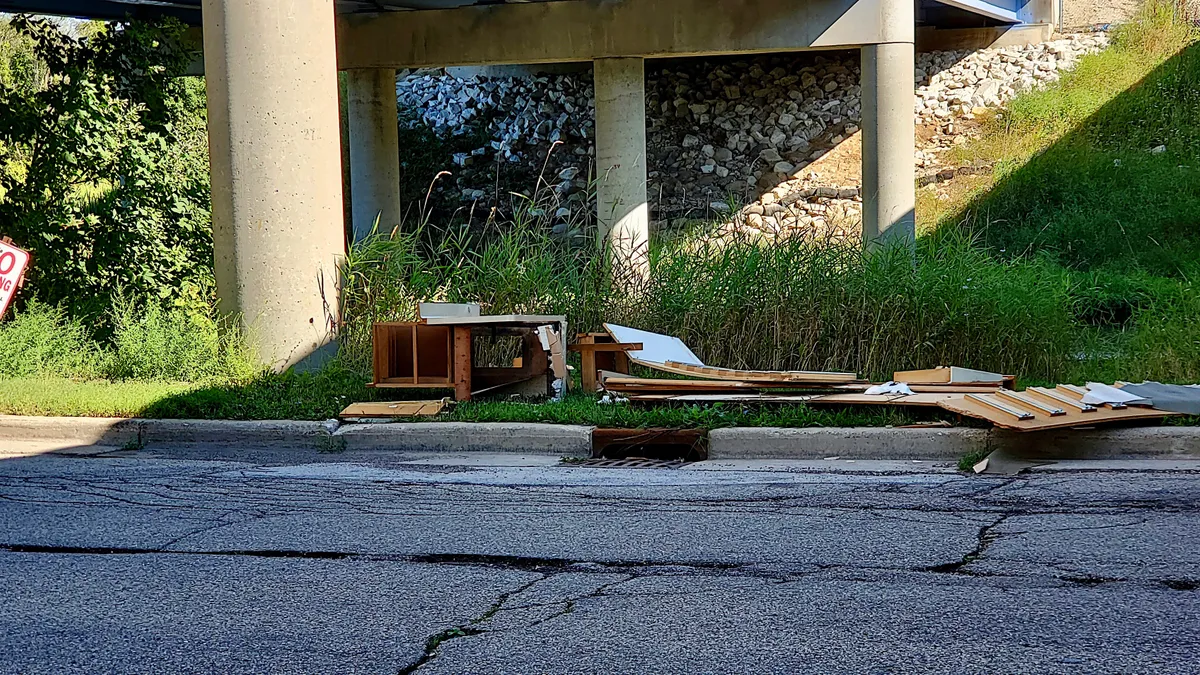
(43, 340)
(147, 344)
(106, 172)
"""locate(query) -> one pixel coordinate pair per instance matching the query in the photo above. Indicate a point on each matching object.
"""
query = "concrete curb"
(111, 431)
(941, 444)
(469, 437)
(845, 442)
(236, 433)
(140, 433)
(952, 443)
(1128, 443)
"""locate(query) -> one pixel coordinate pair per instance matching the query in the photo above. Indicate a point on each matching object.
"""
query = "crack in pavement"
(986, 536)
(434, 642)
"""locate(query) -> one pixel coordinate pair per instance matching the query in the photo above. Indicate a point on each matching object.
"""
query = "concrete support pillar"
(621, 158)
(889, 191)
(374, 150)
(275, 154)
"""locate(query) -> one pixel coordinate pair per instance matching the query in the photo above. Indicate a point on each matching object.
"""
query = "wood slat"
(748, 375)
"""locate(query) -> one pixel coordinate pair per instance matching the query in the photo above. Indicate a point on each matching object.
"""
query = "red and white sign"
(12, 265)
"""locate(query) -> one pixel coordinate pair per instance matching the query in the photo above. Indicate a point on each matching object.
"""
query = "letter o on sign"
(7, 262)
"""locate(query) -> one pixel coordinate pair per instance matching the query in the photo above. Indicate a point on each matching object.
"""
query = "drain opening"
(669, 445)
(633, 463)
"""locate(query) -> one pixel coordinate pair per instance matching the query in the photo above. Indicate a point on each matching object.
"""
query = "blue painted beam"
(1000, 10)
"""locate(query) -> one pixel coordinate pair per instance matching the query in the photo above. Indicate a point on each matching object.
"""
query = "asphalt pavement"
(227, 561)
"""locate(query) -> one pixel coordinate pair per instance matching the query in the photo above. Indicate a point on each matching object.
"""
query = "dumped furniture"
(599, 351)
(453, 347)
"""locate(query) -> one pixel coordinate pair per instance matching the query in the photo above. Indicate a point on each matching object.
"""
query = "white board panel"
(656, 348)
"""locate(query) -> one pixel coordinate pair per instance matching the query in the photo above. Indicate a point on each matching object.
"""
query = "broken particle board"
(949, 375)
(671, 355)
(1009, 412)
(384, 410)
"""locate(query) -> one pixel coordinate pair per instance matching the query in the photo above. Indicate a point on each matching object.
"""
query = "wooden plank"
(916, 400)
(1062, 399)
(1039, 422)
(410, 385)
(416, 358)
(804, 377)
(518, 319)
(462, 363)
(394, 409)
(1027, 401)
(605, 347)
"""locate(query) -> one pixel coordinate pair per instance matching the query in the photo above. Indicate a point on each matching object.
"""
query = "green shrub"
(42, 340)
(150, 343)
(103, 166)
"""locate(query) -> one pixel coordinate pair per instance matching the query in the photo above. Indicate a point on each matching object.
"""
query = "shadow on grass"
(295, 396)
(1120, 192)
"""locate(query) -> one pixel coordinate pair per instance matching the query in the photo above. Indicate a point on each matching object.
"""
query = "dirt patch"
(1087, 13)
(842, 165)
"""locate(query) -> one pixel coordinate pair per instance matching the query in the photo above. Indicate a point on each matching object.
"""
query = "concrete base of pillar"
(889, 174)
(275, 154)
(621, 203)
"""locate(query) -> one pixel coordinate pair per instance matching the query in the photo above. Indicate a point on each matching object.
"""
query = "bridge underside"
(274, 120)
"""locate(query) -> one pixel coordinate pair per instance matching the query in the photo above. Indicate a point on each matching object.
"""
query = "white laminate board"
(656, 348)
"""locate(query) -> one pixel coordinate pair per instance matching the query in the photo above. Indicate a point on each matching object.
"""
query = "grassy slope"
(1099, 175)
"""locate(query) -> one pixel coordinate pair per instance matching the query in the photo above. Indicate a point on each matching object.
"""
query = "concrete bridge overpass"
(275, 144)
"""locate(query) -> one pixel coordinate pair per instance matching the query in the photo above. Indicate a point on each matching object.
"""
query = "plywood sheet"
(1041, 421)
(947, 375)
(386, 410)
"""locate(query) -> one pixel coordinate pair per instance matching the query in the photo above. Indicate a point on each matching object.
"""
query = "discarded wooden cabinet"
(441, 353)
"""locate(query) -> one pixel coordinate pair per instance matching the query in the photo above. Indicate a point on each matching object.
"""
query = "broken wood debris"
(388, 410)
(1009, 411)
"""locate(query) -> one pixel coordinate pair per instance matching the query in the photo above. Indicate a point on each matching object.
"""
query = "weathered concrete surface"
(275, 151)
(299, 562)
(889, 194)
(621, 205)
(459, 436)
(847, 442)
(551, 32)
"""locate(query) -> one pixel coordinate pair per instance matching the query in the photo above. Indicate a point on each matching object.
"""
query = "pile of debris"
(971, 393)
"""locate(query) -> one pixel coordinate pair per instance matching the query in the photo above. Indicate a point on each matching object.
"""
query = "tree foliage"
(103, 164)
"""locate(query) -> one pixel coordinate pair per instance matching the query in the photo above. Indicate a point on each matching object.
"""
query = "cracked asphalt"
(223, 561)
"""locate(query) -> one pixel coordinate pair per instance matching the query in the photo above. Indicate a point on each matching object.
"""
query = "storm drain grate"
(633, 463)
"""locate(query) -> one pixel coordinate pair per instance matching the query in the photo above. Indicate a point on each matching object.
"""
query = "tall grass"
(739, 301)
